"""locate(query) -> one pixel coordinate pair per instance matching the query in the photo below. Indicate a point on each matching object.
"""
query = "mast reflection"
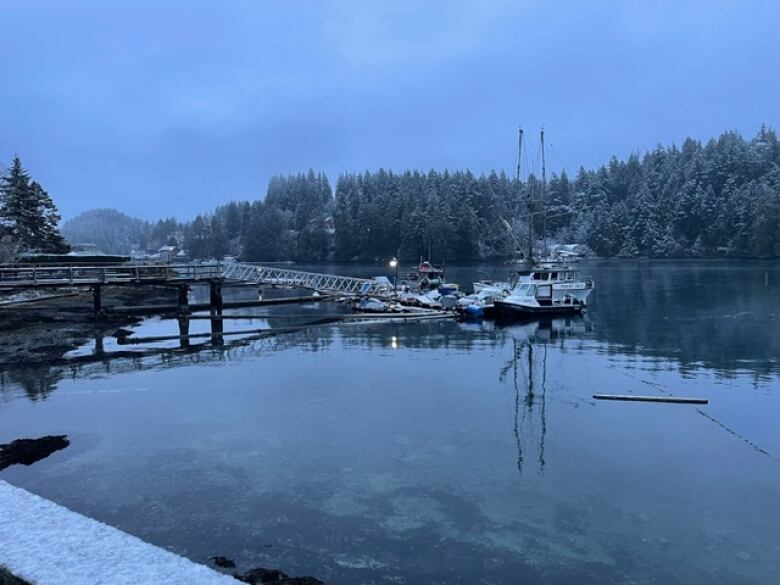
(529, 377)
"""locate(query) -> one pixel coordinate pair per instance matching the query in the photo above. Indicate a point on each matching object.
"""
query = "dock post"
(183, 300)
(215, 294)
(217, 328)
(184, 330)
(97, 303)
(99, 348)
(215, 290)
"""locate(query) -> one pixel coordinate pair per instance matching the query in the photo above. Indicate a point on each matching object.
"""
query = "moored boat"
(564, 278)
(547, 286)
(530, 298)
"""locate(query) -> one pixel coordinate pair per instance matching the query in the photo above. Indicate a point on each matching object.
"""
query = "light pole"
(394, 264)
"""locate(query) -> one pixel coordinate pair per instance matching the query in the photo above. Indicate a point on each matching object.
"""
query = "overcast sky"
(171, 108)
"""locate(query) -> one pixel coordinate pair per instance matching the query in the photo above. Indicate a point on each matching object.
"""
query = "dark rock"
(261, 575)
(28, 451)
(300, 581)
(7, 578)
(223, 562)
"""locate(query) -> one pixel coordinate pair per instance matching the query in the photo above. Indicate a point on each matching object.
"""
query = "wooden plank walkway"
(14, 277)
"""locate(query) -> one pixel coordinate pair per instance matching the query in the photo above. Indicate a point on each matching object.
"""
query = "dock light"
(394, 264)
(394, 342)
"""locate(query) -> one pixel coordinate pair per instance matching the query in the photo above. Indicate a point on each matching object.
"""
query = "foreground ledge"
(47, 544)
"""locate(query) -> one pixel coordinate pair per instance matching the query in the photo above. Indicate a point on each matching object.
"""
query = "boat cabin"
(541, 292)
(549, 274)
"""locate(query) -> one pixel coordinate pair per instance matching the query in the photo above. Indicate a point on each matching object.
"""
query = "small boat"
(449, 288)
(481, 304)
(428, 275)
(531, 298)
(481, 285)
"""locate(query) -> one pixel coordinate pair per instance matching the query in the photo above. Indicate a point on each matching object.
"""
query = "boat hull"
(505, 308)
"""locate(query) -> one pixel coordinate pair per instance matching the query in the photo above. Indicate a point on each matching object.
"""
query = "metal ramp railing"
(330, 283)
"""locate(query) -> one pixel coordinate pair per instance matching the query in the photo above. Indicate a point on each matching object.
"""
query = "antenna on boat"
(544, 196)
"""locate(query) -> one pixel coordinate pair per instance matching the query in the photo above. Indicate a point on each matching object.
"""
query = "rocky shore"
(43, 331)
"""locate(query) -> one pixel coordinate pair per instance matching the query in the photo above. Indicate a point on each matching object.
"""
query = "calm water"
(443, 452)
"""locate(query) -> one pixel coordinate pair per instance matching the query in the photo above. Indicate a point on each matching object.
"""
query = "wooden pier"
(215, 274)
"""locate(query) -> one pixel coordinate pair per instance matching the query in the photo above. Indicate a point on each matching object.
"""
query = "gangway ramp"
(322, 282)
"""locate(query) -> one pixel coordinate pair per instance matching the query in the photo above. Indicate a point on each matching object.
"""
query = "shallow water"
(443, 452)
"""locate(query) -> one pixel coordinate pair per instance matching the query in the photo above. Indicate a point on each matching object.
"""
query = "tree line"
(720, 198)
(717, 199)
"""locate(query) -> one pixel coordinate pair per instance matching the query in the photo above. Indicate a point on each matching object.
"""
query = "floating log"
(633, 398)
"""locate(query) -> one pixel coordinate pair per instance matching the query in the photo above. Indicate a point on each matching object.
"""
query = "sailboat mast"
(529, 203)
(519, 155)
(544, 196)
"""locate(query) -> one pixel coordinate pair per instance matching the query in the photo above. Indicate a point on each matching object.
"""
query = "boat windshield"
(524, 290)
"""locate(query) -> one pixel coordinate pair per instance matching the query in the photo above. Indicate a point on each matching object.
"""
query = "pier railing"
(17, 277)
(285, 277)
(62, 275)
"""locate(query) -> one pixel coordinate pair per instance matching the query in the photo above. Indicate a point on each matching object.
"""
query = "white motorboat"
(491, 284)
(562, 276)
(535, 298)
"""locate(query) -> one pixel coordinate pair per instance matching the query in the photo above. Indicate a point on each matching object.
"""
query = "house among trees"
(167, 254)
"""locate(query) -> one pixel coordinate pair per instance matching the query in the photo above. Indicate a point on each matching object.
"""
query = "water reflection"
(528, 367)
(434, 451)
(717, 314)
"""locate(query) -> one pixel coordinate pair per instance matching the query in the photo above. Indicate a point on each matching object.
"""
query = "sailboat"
(546, 286)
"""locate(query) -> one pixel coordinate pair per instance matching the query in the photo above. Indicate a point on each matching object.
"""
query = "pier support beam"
(184, 330)
(97, 303)
(215, 297)
(216, 304)
(183, 302)
(217, 329)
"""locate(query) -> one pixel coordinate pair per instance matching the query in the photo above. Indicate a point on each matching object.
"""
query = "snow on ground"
(47, 544)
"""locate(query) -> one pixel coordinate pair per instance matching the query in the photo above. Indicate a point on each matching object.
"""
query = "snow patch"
(47, 544)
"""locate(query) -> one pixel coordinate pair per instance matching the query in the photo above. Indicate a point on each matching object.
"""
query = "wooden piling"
(97, 303)
(215, 297)
(183, 301)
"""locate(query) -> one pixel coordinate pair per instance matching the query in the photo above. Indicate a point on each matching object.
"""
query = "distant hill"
(110, 230)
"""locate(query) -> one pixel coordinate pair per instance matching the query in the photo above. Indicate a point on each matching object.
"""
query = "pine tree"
(27, 213)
